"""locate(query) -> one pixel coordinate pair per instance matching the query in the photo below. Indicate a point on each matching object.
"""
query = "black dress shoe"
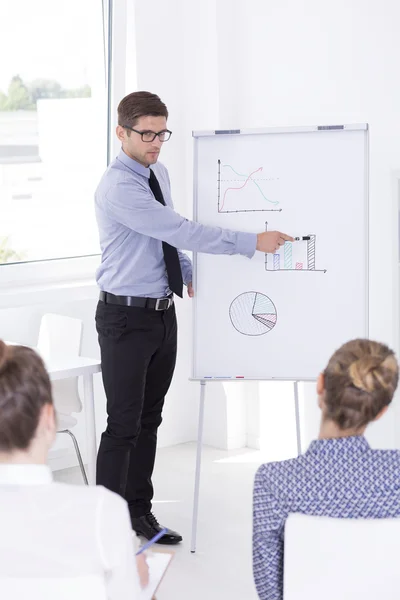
(148, 526)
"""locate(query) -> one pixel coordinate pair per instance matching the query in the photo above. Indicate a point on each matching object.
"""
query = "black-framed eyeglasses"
(150, 136)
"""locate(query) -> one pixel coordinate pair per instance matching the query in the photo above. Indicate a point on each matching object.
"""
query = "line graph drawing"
(246, 192)
(294, 256)
(253, 313)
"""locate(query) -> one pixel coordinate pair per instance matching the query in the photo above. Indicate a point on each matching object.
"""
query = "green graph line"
(255, 183)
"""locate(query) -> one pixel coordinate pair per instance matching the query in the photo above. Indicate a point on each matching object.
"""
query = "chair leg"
(78, 454)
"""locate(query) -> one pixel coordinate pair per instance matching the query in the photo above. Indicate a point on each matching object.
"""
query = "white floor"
(221, 567)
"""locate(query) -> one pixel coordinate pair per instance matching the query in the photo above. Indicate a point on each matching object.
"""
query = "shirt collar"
(133, 165)
(354, 444)
(25, 474)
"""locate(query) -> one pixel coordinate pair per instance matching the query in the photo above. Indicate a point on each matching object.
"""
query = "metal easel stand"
(200, 448)
(198, 466)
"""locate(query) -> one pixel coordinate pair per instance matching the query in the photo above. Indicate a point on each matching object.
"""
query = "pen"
(152, 541)
(302, 238)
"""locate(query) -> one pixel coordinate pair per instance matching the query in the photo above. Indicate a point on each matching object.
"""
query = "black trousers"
(138, 355)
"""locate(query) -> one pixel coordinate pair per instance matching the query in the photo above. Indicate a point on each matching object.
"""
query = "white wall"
(258, 63)
(331, 62)
(253, 63)
(180, 65)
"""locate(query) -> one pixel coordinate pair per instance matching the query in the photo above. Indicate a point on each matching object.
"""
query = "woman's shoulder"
(311, 471)
(386, 460)
(279, 466)
(89, 495)
(279, 471)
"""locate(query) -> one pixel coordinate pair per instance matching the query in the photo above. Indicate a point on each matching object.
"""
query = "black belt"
(153, 303)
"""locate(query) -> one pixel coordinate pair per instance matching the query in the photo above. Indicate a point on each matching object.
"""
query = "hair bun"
(362, 373)
(3, 354)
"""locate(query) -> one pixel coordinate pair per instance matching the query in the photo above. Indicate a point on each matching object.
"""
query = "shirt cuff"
(246, 244)
(187, 274)
(187, 278)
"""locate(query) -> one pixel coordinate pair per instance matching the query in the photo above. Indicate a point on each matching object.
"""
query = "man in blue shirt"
(141, 270)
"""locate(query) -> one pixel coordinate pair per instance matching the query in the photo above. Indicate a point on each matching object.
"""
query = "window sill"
(48, 281)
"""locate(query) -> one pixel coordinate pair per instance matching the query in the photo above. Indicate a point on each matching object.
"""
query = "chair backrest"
(63, 588)
(346, 559)
(60, 337)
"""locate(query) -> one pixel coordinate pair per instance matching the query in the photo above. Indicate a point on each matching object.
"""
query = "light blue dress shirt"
(133, 224)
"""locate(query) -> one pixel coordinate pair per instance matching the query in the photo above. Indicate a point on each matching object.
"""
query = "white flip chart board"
(280, 316)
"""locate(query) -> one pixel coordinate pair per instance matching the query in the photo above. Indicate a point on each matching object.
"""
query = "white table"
(85, 367)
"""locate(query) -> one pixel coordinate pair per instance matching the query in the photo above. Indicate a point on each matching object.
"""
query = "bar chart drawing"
(251, 191)
(253, 313)
(294, 256)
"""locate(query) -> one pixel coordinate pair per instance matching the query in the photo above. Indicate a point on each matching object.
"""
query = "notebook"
(158, 564)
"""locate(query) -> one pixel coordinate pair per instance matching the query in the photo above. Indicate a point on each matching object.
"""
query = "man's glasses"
(150, 136)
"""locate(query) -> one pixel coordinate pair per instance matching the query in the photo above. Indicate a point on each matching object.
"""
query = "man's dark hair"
(140, 104)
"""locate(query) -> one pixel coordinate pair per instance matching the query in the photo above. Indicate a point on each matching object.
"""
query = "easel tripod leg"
(198, 466)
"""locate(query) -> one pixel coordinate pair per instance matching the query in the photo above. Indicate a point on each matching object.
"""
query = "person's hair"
(359, 381)
(140, 104)
(24, 389)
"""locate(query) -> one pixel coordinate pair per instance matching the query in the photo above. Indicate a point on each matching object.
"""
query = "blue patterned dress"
(340, 477)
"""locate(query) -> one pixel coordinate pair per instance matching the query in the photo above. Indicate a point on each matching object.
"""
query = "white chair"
(341, 559)
(61, 336)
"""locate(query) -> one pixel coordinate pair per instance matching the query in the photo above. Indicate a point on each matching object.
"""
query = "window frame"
(65, 273)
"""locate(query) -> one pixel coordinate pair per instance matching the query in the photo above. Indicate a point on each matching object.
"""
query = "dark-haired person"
(141, 270)
(339, 475)
(56, 540)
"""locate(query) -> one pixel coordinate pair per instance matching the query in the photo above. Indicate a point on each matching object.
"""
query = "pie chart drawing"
(253, 313)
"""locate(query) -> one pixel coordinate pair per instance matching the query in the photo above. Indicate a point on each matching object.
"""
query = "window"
(53, 127)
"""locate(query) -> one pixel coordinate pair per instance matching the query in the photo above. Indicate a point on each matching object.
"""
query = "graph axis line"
(295, 270)
(251, 210)
(219, 182)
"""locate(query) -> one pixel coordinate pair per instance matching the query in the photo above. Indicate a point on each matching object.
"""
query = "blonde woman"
(339, 475)
(53, 536)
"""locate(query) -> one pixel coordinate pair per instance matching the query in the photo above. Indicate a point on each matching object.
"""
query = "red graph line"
(239, 188)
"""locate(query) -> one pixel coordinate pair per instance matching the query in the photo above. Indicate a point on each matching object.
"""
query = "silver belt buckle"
(169, 302)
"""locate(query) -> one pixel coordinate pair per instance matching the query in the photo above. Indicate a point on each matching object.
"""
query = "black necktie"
(171, 257)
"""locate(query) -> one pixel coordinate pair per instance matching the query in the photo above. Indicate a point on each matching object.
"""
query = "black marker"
(304, 238)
